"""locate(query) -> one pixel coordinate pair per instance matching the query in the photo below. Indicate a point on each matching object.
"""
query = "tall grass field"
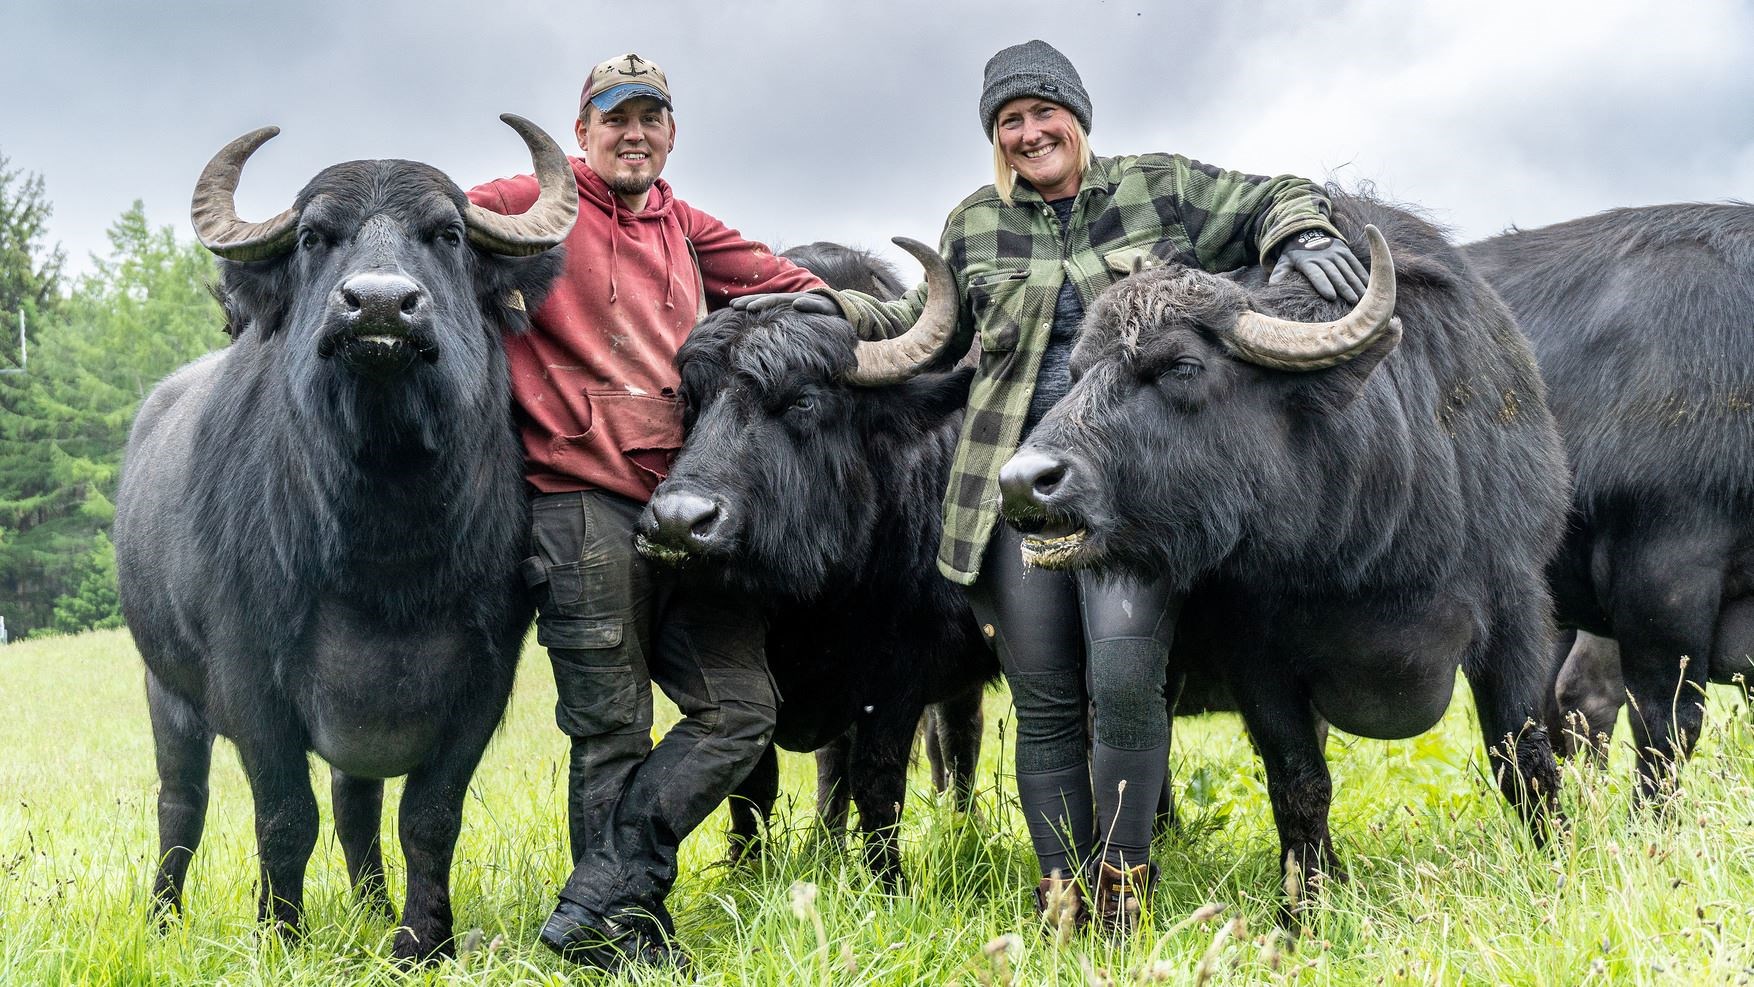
(1445, 887)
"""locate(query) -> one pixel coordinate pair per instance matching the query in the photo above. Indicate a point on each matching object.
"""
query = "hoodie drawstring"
(614, 240)
(669, 272)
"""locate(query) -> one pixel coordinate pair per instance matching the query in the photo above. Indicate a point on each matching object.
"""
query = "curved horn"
(214, 208)
(547, 222)
(1287, 345)
(891, 361)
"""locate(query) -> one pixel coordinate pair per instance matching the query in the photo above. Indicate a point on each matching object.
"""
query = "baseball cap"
(621, 78)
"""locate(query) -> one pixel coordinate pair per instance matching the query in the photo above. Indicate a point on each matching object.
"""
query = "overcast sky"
(800, 121)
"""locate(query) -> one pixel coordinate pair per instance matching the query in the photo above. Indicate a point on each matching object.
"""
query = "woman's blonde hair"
(1004, 179)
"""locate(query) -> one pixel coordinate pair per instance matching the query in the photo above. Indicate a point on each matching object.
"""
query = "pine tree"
(144, 311)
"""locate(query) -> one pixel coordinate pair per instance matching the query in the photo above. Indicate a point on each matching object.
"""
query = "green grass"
(1445, 888)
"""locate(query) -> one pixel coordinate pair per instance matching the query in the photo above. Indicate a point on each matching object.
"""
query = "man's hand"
(1326, 261)
(800, 301)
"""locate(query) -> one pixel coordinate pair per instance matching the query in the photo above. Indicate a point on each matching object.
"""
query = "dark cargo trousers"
(613, 626)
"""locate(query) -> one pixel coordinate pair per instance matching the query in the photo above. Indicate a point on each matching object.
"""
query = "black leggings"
(1072, 646)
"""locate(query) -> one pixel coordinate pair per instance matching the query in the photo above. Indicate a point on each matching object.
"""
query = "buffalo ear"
(935, 397)
(512, 288)
(253, 296)
(1332, 390)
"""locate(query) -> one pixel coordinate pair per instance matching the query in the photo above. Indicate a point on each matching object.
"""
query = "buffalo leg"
(1668, 594)
(286, 819)
(936, 759)
(879, 784)
(1284, 728)
(431, 817)
(1509, 677)
(359, 809)
(1588, 691)
(834, 766)
(751, 806)
(958, 722)
(184, 749)
(1562, 724)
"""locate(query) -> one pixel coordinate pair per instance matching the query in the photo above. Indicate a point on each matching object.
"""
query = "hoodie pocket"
(646, 428)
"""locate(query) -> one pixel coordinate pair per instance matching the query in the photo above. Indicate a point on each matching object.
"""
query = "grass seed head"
(803, 896)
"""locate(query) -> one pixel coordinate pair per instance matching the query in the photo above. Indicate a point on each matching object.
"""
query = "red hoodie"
(595, 380)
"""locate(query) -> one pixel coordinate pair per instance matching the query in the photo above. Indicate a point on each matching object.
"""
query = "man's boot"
(611, 944)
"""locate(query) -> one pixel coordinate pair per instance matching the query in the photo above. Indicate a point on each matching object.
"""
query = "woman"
(1027, 254)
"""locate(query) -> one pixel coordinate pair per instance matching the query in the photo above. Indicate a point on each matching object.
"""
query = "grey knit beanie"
(1033, 68)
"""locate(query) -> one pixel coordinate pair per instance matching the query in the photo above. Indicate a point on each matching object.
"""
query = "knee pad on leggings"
(1126, 688)
(1050, 719)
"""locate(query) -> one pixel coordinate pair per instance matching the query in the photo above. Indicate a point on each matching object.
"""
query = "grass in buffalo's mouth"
(659, 553)
(1051, 551)
(1445, 886)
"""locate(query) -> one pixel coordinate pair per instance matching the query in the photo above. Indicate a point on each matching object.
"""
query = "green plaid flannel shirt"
(1009, 262)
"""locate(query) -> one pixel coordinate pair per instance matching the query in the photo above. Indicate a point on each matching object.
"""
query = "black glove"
(1326, 261)
(800, 301)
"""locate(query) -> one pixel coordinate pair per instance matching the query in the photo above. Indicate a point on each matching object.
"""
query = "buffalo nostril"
(1030, 476)
(1048, 482)
(385, 301)
(683, 517)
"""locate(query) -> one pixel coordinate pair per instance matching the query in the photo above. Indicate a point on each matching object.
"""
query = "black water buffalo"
(807, 486)
(1643, 322)
(318, 528)
(1353, 508)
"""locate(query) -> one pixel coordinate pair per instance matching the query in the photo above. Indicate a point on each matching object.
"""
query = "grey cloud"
(800, 121)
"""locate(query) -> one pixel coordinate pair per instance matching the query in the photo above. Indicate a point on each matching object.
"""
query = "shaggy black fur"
(848, 268)
(317, 535)
(825, 504)
(1641, 319)
(1345, 537)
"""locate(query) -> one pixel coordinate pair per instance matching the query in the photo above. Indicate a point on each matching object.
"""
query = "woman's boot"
(1122, 896)
(1059, 903)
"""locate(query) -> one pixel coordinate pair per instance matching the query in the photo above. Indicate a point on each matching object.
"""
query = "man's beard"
(630, 186)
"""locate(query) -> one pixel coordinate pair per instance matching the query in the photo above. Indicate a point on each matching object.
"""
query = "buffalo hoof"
(743, 852)
(1306, 874)
(374, 899)
(166, 912)
(411, 949)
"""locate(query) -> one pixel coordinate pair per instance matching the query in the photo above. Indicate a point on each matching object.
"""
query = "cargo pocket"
(594, 697)
(748, 702)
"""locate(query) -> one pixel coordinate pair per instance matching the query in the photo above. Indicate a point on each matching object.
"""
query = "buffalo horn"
(891, 361)
(544, 224)
(214, 208)
(1298, 346)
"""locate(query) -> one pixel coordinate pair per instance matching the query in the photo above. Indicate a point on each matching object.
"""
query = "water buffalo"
(806, 485)
(1641, 321)
(1353, 504)
(318, 528)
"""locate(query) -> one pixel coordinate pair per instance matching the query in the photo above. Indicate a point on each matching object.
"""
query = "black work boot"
(609, 944)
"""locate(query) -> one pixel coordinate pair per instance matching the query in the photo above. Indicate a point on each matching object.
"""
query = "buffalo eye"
(452, 236)
(311, 240)
(1184, 369)
(803, 403)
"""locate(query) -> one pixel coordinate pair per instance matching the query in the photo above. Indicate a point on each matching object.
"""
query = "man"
(596, 393)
